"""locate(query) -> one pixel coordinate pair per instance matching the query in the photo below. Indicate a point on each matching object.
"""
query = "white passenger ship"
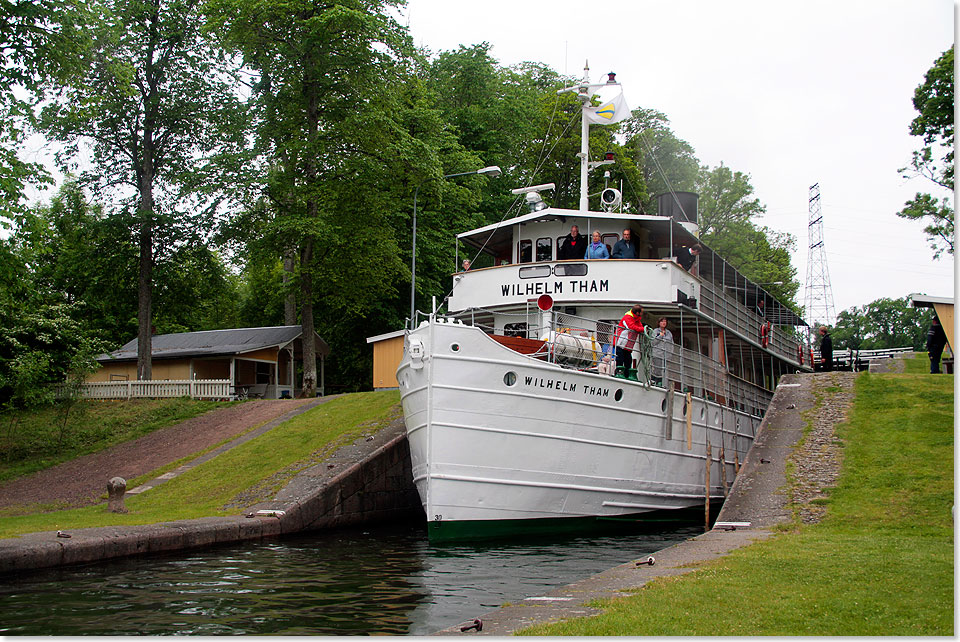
(514, 423)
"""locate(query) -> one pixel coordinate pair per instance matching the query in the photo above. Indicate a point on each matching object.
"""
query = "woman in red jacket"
(628, 331)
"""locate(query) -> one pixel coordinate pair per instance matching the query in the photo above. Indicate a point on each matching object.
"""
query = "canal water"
(384, 580)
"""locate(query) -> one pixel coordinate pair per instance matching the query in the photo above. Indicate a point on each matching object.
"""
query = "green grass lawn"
(880, 563)
(35, 440)
(257, 468)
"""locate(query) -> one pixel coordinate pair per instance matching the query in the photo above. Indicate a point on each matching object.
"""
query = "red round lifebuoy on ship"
(800, 354)
(765, 334)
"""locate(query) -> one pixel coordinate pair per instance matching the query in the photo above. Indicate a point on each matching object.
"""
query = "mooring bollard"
(116, 488)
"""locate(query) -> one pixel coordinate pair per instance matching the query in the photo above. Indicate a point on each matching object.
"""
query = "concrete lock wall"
(365, 482)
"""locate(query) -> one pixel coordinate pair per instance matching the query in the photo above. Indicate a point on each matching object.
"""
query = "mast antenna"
(818, 300)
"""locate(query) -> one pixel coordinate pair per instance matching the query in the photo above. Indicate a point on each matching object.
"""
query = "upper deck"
(524, 255)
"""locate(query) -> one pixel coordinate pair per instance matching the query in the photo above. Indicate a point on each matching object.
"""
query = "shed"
(387, 353)
(263, 360)
(942, 307)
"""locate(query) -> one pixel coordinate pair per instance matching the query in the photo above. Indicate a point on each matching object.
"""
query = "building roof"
(384, 337)
(924, 301)
(210, 343)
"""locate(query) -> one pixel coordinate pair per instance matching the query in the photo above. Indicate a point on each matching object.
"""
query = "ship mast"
(585, 93)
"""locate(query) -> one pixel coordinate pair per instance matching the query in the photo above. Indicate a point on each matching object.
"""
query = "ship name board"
(566, 386)
(557, 287)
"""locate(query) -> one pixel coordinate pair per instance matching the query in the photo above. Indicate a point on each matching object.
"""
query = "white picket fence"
(199, 389)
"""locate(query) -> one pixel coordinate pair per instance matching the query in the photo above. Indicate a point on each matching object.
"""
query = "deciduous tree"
(152, 99)
(934, 100)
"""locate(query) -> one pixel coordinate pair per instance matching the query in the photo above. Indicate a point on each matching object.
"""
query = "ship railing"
(729, 312)
(588, 345)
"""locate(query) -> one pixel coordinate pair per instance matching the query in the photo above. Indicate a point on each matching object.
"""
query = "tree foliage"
(728, 224)
(884, 323)
(667, 163)
(203, 211)
(934, 100)
(152, 98)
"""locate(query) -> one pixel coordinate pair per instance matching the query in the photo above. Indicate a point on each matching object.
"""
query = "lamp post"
(493, 171)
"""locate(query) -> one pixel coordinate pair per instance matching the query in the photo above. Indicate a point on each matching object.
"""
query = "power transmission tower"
(818, 306)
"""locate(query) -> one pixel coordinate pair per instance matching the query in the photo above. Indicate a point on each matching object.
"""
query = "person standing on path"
(936, 341)
(826, 350)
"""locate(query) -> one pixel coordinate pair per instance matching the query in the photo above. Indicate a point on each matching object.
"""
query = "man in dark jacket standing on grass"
(936, 340)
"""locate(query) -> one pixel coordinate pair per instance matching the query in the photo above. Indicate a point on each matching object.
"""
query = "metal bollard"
(116, 488)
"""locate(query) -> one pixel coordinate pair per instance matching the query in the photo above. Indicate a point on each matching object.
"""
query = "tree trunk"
(306, 319)
(310, 94)
(290, 300)
(144, 301)
(145, 281)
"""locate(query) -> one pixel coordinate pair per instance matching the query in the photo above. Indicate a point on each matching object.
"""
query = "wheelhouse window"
(544, 249)
(535, 272)
(570, 269)
(610, 240)
(525, 251)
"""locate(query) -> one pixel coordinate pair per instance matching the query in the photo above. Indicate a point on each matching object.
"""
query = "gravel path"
(82, 481)
(818, 459)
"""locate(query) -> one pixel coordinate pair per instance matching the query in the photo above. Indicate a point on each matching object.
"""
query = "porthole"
(663, 405)
(618, 395)
(454, 347)
(684, 413)
(510, 378)
(702, 413)
(716, 419)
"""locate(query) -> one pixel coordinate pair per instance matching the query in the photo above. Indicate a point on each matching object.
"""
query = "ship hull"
(504, 442)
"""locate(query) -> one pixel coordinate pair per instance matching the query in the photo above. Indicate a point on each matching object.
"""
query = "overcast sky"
(790, 93)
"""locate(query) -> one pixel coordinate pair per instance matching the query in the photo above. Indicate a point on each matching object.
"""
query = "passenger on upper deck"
(597, 250)
(574, 245)
(625, 248)
(466, 264)
(687, 256)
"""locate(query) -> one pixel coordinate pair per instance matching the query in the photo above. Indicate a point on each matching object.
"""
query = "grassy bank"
(238, 477)
(35, 440)
(880, 563)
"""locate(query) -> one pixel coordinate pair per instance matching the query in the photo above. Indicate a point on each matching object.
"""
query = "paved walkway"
(242, 439)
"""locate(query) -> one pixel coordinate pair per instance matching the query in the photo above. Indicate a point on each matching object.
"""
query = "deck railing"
(196, 388)
(578, 343)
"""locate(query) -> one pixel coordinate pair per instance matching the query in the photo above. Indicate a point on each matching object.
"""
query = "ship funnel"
(681, 207)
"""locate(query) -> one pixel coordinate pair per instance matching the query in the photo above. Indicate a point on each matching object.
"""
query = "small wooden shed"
(387, 353)
(262, 360)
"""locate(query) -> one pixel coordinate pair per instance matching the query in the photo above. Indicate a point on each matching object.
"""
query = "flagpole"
(584, 90)
(584, 154)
